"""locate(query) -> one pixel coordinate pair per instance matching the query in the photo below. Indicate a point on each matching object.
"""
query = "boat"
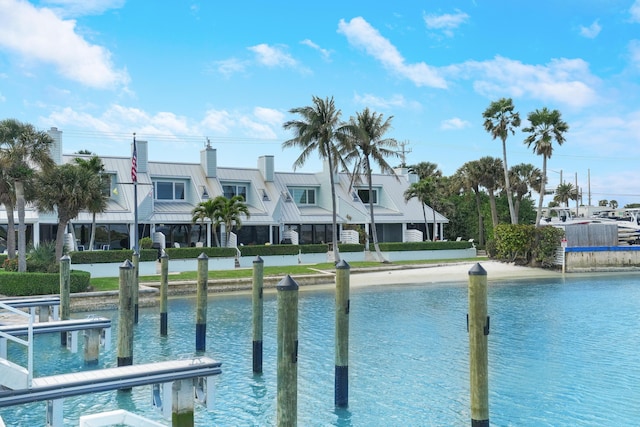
(627, 220)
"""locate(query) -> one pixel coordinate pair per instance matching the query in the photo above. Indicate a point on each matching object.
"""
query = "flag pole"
(134, 177)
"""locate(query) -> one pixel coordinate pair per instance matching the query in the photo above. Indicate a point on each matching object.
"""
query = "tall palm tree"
(23, 148)
(366, 147)
(95, 205)
(319, 130)
(500, 120)
(524, 178)
(490, 178)
(209, 210)
(468, 176)
(66, 189)
(423, 191)
(545, 127)
(230, 213)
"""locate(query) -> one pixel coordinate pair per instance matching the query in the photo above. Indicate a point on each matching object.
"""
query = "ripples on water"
(560, 354)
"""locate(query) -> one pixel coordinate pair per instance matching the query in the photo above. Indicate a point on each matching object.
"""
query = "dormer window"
(169, 190)
(364, 195)
(230, 190)
(303, 196)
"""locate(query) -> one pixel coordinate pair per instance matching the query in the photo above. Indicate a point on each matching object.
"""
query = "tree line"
(358, 146)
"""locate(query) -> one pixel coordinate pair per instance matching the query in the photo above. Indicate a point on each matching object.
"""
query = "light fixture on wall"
(205, 193)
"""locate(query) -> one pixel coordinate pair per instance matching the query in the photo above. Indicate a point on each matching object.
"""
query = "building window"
(364, 195)
(106, 180)
(230, 190)
(169, 190)
(303, 196)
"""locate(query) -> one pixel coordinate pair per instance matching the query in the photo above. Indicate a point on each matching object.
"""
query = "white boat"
(627, 220)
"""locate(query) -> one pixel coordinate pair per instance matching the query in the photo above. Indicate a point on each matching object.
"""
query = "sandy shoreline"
(458, 272)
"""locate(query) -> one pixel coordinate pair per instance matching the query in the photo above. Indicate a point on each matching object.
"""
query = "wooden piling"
(164, 290)
(65, 294)
(341, 388)
(201, 302)
(257, 300)
(287, 389)
(136, 284)
(125, 315)
(478, 325)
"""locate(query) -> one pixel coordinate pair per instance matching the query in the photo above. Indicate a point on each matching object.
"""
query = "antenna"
(208, 143)
(403, 152)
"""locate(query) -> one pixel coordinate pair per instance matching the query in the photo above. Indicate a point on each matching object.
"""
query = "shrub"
(10, 264)
(548, 239)
(99, 257)
(146, 243)
(27, 284)
(514, 242)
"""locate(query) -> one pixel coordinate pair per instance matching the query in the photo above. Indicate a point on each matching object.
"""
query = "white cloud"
(565, 81)
(2, 97)
(39, 35)
(324, 52)
(269, 115)
(396, 101)
(218, 121)
(230, 66)
(363, 36)
(635, 11)
(272, 56)
(68, 8)
(592, 31)
(445, 22)
(454, 123)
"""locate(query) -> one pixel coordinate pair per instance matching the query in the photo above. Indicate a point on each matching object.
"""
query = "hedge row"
(27, 284)
(423, 246)
(96, 257)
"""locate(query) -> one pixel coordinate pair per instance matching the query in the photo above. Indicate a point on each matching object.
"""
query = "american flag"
(134, 162)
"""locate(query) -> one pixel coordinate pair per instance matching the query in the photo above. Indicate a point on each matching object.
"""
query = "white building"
(281, 204)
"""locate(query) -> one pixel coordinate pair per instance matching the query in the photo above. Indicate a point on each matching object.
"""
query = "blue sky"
(178, 72)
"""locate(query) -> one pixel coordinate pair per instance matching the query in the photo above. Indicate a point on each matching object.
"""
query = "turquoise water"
(561, 353)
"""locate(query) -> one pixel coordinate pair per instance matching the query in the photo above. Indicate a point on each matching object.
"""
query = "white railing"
(28, 343)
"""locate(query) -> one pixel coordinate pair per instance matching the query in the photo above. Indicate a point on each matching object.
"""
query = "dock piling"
(201, 302)
(478, 325)
(65, 294)
(341, 395)
(287, 388)
(125, 315)
(164, 288)
(257, 301)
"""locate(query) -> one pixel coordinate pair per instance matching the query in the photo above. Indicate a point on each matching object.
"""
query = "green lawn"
(112, 283)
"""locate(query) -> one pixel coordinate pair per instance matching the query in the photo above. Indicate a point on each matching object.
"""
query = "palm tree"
(500, 120)
(366, 146)
(320, 130)
(22, 148)
(565, 192)
(98, 204)
(209, 209)
(230, 212)
(545, 127)
(468, 177)
(8, 199)
(490, 171)
(524, 177)
(66, 189)
(425, 170)
(423, 191)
